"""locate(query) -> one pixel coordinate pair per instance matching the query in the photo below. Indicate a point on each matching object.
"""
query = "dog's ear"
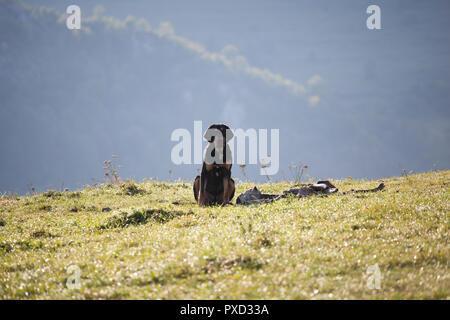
(208, 134)
(228, 134)
(212, 132)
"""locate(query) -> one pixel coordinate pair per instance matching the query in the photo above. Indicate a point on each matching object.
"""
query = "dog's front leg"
(226, 190)
(202, 199)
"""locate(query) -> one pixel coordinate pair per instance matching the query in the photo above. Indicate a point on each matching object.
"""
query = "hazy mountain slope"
(68, 102)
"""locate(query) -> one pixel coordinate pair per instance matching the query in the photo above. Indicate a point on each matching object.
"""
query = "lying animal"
(255, 196)
(320, 188)
(215, 185)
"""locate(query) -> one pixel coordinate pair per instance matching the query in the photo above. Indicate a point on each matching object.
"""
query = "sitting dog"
(215, 185)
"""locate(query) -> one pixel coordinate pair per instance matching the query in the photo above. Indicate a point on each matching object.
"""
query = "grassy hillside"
(156, 243)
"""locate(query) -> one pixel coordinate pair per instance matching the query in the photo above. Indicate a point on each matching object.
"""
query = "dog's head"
(218, 151)
(219, 134)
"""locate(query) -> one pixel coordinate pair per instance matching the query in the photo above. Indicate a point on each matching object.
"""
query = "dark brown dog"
(215, 185)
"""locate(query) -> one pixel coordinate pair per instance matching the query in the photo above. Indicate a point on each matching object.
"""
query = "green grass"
(157, 243)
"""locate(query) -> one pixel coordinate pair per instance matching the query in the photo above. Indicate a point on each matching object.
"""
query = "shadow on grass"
(247, 262)
(137, 217)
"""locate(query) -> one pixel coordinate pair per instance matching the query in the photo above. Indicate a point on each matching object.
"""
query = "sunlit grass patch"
(151, 240)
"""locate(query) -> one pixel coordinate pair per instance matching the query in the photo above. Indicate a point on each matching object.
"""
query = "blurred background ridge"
(348, 101)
